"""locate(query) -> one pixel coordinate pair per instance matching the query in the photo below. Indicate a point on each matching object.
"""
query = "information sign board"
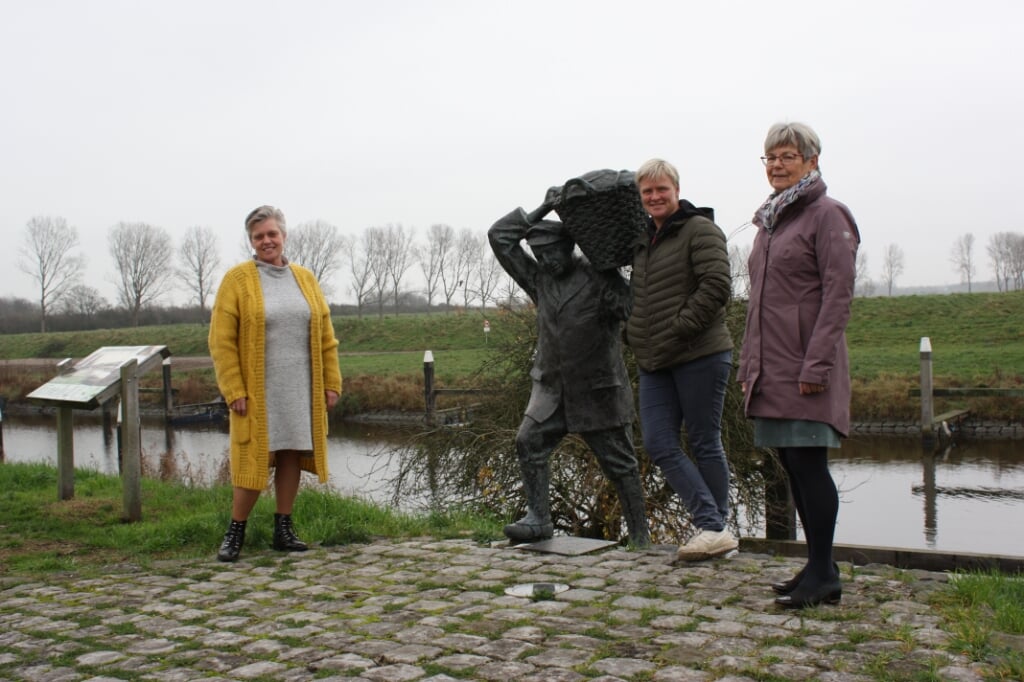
(96, 378)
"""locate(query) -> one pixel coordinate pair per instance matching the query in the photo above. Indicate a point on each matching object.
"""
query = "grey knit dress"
(286, 360)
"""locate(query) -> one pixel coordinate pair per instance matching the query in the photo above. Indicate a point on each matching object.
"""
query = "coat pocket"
(240, 427)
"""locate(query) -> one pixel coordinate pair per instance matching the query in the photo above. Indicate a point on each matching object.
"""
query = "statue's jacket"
(578, 361)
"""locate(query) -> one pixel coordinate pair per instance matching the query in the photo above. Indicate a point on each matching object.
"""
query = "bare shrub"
(474, 465)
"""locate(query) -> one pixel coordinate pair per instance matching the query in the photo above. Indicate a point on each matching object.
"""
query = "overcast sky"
(417, 112)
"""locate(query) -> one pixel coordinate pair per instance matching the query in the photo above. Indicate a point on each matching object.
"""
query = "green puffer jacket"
(681, 284)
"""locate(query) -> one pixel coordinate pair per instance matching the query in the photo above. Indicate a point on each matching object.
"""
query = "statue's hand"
(615, 293)
(537, 214)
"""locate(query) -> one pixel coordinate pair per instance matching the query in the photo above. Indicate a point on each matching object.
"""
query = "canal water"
(969, 498)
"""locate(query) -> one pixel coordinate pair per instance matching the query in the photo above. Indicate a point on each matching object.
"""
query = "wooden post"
(65, 443)
(108, 412)
(428, 386)
(131, 453)
(927, 399)
(168, 393)
(65, 453)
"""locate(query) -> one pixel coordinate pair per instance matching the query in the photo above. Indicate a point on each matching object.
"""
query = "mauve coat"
(801, 284)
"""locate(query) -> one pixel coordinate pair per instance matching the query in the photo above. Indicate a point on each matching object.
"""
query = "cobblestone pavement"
(437, 610)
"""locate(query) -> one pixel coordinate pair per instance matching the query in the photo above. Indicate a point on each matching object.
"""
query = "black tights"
(817, 503)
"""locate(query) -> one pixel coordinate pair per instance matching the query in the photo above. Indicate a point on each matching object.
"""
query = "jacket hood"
(678, 219)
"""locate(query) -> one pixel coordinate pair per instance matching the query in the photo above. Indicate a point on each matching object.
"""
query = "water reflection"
(965, 498)
(892, 493)
(198, 455)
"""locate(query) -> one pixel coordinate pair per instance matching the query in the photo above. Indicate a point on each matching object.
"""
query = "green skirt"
(793, 433)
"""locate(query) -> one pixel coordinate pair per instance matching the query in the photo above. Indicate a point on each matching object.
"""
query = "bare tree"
(376, 243)
(199, 261)
(455, 270)
(892, 266)
(738, 257)
(397, 257)
(863, 285)
(487, 277)
(83, 300)
(999, 252)
(433, 261)
(962, 258)
(358, 269)
(468, 250)
(316, 245)
(48, 259)
(140, 251)
(1017, 261)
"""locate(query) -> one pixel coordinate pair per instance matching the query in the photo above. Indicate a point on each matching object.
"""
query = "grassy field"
(975, 337)
(87, 532)
(410, 333)
(977, 340)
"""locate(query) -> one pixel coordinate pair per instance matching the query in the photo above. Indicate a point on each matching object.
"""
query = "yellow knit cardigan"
(237, 336)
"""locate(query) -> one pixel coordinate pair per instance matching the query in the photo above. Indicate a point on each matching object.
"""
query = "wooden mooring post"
(428, 386)
(927, 396)
(933, 425)
(448, 415)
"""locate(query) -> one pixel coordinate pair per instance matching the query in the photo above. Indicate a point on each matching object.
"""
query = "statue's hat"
(547, 232)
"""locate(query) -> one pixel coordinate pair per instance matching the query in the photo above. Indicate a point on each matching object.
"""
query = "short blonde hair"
(258, 215)
(657, 168)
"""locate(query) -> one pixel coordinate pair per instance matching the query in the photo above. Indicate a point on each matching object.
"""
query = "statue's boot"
(536, 525)
(634, 508)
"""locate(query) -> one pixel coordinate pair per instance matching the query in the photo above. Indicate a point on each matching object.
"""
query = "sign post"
(106, 373)
(131, 452)
(487, 331)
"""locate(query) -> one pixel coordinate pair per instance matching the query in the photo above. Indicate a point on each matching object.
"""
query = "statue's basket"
(605, 223)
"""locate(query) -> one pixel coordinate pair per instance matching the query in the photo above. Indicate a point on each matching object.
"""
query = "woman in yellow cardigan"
(276, 360)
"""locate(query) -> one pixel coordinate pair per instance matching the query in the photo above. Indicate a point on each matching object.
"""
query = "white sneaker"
(707, 544)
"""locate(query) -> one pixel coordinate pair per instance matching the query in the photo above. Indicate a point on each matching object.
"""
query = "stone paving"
(432, 610)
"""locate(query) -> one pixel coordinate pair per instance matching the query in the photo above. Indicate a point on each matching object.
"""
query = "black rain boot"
(536, 525)
(285, 539)
(233, 541)
(631, 497)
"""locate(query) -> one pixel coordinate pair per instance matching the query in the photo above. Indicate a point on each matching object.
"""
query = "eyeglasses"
(786, 159)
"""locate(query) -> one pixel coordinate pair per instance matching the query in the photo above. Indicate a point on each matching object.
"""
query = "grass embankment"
(977, 339)
(381, 358)
(86, 533)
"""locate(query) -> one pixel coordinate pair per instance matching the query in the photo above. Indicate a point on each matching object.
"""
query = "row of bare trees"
(451, 264)
(143, 259)
(1005, 251)
(863, 285)
(455, 267)
(377, 263)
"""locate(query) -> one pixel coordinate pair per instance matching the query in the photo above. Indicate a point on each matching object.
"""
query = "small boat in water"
(215, 412)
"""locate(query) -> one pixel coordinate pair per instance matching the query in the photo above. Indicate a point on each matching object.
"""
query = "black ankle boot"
(285, 539)
(807, 594)
(787, 586)
(233, 541)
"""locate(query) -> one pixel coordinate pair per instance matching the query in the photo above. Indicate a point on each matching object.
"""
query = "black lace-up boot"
(233, 541)
(285, 539)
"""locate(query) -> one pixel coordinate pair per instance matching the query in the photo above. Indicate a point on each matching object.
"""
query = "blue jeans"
(692, 393)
